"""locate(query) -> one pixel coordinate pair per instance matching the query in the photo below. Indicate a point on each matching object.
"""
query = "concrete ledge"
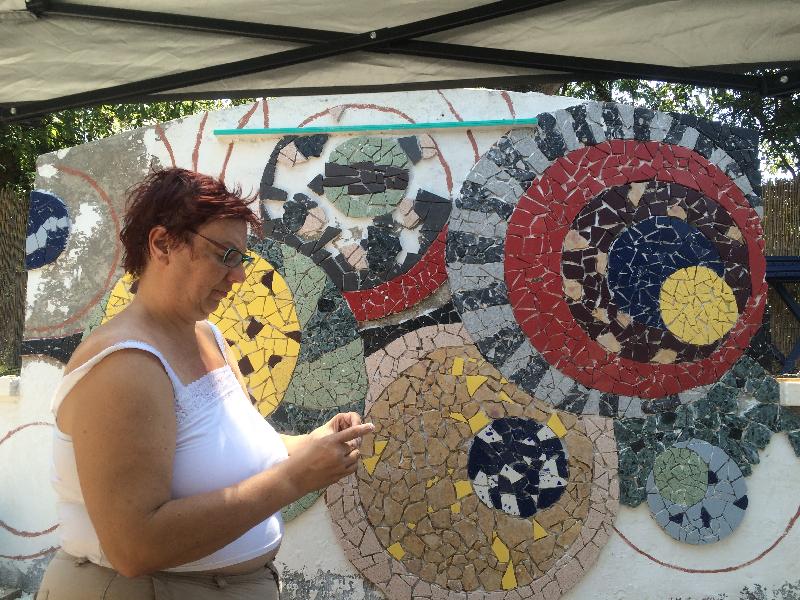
(790, 390)
(9, 391)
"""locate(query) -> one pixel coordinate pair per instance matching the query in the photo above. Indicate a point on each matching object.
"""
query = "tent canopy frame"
(400, 40)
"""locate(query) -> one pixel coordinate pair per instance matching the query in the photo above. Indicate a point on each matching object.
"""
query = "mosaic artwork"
(608, 259)
(468, 483)
(696, 492)
(48, 229)
(580, 324)
(363, 177)
(739, 415)
(518, 466)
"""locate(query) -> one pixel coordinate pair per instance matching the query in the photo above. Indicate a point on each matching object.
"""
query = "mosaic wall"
(544, 324)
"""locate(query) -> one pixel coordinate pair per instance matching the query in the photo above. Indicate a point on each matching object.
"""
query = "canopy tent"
(58, 55)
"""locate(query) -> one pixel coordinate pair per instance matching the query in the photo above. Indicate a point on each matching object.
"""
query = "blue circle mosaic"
(645, 254)
(518, 466)
(717, 514)
(48, 229)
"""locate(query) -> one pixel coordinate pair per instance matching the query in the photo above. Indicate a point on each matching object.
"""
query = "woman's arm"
(122, 422)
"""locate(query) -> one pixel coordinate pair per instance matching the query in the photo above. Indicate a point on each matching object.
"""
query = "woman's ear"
(159, 244)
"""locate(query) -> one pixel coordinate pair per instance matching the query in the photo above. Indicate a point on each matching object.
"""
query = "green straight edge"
(381, 127)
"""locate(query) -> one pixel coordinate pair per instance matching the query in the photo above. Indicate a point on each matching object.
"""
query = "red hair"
(180, 201)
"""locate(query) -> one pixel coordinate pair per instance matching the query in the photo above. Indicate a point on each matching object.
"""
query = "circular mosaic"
(650, 286)
(681, 476)
(380, 240)
(371, 173)
(696, 492)
(48, 229)
(518, 466)
(620, 270)
(441, 423)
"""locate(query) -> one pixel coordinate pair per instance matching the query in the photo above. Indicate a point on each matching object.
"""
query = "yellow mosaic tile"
(372, 462)
(556, 425)
(463, 488)
(479, 421)
(458, 417)
(455, 508)
(397, 551)
(458, 366)
(500, 549)
(505, 397)
(474, 382)
(697, 305)
(509, 581)
(539, 532)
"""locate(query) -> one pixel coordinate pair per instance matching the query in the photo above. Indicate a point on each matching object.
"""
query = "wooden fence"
(782, 238)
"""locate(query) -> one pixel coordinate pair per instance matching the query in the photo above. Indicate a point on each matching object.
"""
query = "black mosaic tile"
(59, 348)
(493, 295)
(376, 338)
(614, 126)
(331, 326)
(548, 137)
(641, 123)
(582, 129)
(471, 248)
(477, 198)
(294, 215)
(311, 145)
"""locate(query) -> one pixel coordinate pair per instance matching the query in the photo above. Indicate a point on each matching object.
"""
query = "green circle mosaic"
(376, 176)
(681, 476)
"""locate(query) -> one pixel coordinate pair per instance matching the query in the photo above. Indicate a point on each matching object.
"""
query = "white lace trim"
(201, 394)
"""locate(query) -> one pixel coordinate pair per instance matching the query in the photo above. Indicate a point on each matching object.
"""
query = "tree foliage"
(21, 143)
(776, 119)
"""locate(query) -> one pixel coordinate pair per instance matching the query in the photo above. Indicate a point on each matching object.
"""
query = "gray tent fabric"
(51, 56)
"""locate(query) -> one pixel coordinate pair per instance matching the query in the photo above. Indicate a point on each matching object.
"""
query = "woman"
(169, 482)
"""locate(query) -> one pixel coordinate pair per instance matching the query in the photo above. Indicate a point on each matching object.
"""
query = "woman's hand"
(329, 453)
(340, 422)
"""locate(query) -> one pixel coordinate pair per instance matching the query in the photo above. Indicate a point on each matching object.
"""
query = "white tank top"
(221, 440)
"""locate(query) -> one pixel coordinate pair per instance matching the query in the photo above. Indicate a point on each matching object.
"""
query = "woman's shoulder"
(107, 335)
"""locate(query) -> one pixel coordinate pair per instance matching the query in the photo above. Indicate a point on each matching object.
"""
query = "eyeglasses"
(232, 257)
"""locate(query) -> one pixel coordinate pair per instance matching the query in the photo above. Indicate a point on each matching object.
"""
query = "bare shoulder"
(130, 382)
(112, 332)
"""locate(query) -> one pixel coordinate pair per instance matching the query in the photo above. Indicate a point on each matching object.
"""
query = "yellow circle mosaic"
(697, 305)
(259, 322)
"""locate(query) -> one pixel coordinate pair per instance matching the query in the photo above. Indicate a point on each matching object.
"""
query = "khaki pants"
(69, 578)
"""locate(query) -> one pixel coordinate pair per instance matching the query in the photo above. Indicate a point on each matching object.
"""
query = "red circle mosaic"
(404, 291)
(533, 246)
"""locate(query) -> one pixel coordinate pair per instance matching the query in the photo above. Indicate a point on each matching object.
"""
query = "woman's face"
(201, 278)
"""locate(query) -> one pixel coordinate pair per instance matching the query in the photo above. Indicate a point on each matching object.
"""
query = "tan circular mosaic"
(410, 519)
